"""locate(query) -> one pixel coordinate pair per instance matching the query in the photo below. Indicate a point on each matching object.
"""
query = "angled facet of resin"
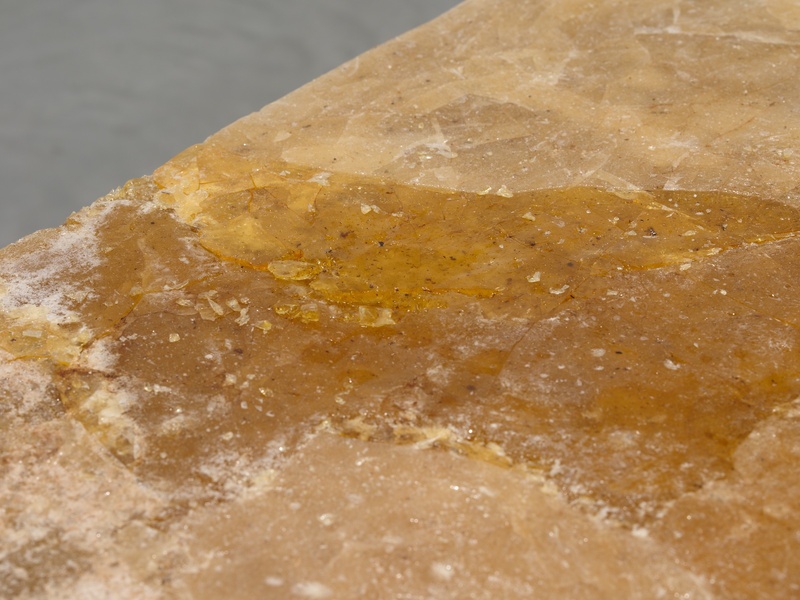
(505, 308)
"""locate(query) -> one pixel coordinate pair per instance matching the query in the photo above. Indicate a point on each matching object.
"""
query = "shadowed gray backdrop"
(96, 92)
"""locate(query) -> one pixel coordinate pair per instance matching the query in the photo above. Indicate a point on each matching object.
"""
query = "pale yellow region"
(38, 335)
(264, 326)
(618, 96)
(104, 412)
(375, 317)
(293, 270)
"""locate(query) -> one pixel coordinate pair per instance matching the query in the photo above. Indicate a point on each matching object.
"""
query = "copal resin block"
(506, 307)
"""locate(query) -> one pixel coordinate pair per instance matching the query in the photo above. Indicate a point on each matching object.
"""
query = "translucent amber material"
(506, 308)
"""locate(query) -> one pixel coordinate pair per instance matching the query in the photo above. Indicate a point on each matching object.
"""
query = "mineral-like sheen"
(505, 308)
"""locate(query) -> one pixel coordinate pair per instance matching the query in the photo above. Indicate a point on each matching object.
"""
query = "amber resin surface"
(505, 308)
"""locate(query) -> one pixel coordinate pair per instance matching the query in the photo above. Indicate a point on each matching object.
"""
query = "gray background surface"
(96, 92)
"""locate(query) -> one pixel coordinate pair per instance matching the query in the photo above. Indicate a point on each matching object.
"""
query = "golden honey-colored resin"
(483, 314)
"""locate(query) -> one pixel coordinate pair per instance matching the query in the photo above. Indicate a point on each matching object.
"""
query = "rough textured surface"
(506, 307)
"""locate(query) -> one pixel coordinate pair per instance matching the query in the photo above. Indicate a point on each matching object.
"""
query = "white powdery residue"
(321, 178)
(225, 466)
(100, 356)
(242, 475)
(36, 278)
(115, 398)
(483, 490)
(105, 581)
(27, 383)
(442, 571)
(439, 374)
(671, 365)
(326, 519)
(312, 589)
